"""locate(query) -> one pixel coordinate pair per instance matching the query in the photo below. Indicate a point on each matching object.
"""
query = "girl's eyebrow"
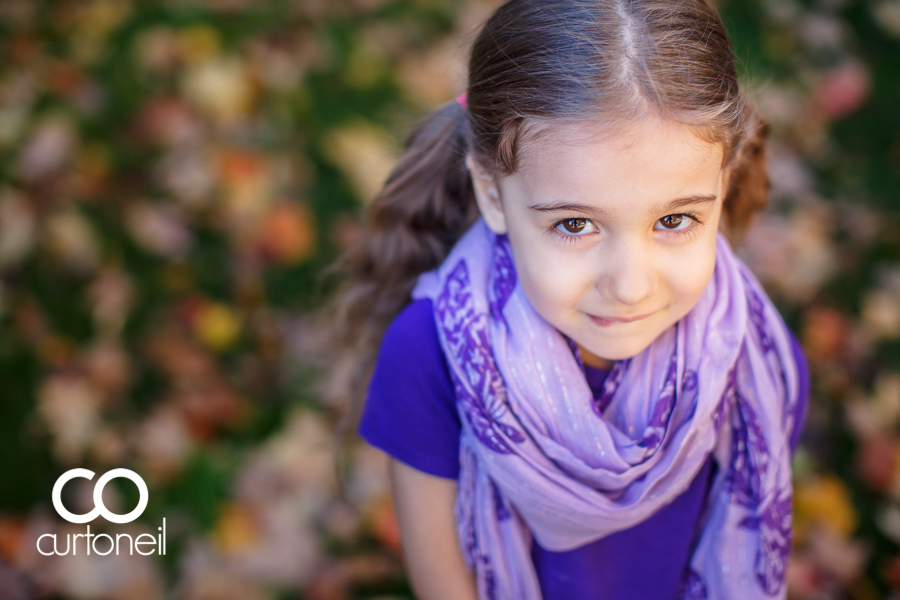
(560, 205)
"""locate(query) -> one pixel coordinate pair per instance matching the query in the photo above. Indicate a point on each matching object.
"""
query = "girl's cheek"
(553, 273)
(692, 274)
(566, 286)
(555, 277)
(547, 286)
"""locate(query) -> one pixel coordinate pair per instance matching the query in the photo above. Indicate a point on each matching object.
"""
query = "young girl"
(584, 392)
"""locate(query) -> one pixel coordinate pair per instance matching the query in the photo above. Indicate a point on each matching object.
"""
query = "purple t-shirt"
(410, 413)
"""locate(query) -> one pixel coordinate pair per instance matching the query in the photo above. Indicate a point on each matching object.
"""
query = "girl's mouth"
(607, 321)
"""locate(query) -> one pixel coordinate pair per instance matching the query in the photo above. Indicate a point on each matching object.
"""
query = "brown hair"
(534, 64)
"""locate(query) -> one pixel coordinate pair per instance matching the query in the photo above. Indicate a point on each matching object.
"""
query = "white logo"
(138, 543)
(99, 507)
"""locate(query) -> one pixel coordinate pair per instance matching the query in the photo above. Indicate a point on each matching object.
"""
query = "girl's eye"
(571, 230)
(675, 222)
(572, 226)
(680, 224)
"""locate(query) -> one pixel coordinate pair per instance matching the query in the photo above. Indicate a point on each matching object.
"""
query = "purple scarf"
(539, 455)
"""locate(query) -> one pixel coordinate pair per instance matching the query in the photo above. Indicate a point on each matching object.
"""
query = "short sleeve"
(410, 409)
(803, 392)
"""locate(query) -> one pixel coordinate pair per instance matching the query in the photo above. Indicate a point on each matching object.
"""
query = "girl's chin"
(606, 357)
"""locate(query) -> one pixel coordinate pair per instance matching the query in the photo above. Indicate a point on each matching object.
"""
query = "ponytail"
(424, 207)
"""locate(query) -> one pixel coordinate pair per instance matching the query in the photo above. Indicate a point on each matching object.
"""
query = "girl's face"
(613, 237)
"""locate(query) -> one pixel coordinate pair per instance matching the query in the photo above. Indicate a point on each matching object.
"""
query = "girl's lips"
(606, 321)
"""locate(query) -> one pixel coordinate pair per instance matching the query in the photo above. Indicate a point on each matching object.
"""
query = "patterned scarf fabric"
(540, 456)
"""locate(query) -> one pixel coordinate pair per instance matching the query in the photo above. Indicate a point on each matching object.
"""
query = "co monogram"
(99, 507)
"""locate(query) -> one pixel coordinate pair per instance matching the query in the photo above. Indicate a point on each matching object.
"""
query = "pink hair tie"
(462, 100)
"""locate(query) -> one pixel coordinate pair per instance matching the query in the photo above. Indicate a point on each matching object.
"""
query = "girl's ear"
(487, 195)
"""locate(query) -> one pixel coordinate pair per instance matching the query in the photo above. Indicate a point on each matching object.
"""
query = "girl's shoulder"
(413, 328)
(410, 408)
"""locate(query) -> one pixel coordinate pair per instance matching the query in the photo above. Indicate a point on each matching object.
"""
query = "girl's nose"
(629, 275)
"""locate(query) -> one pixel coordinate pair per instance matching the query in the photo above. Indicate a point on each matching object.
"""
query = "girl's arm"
(424, 506)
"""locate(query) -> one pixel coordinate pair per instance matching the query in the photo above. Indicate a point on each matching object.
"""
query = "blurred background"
(176, 174)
